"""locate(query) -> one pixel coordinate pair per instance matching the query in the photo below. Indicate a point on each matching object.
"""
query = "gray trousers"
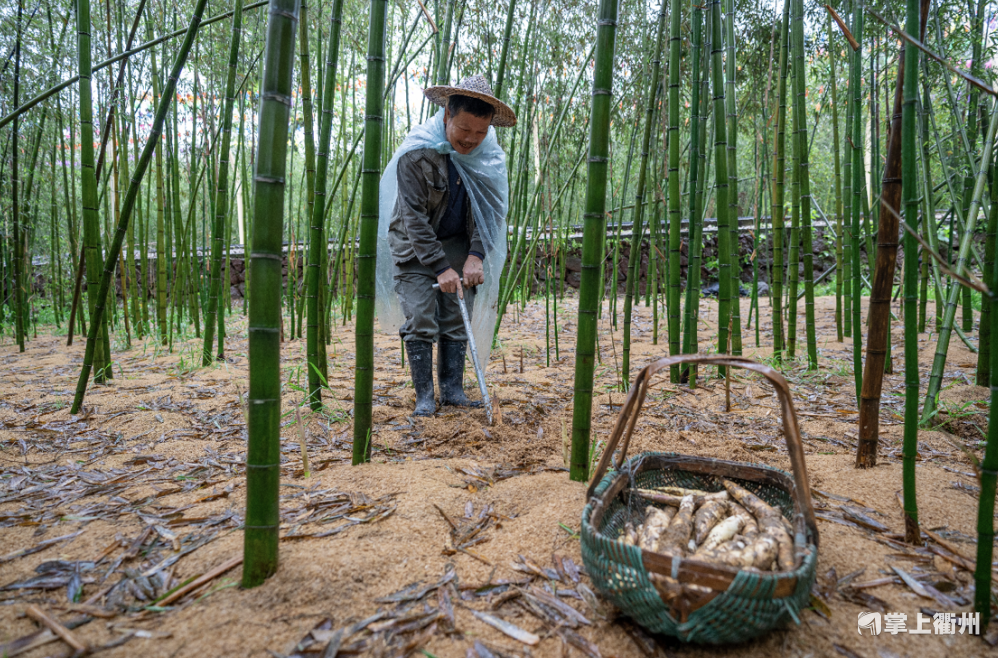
(431, 314)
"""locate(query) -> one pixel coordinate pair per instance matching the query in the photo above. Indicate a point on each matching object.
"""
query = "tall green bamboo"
(263, 455)
(836, 156)
(804, 181)
(507, 32)
(855, 92)
(760, 192)
(67, 192)
(693, 269)
(721, 182)
(318, 248)
(114, 249)
(593, 233)
(983, 354)
(443, 54)
(733, 202)
(187, 256)
(367, 251)
(972, 129)
(702, 197)
(15, 184)
(847, 240)
(949, 314)
(211, 315)
(909, 164)
(124, 174)
(618, 240)
(779, 176)
(88, 178)
(674, 199)
(984, 344)
(161, 244)
(929, 207)
(793, 260)
(988, 470)
(305, 78)
(637, 226)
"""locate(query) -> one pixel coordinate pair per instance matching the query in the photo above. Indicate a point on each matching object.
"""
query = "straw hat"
(474, 86)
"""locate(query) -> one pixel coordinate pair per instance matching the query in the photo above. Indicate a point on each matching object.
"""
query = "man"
(434, 237)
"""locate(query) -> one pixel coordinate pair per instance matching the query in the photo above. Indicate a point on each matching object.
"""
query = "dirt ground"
(144, 491)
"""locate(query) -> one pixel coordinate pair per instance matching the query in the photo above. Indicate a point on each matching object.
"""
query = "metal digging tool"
(479, 373)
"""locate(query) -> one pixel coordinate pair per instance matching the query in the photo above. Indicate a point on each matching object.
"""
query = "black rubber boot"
(450, 374)
(421, 364)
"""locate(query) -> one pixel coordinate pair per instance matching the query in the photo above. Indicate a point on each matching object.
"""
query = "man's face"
(465, 131)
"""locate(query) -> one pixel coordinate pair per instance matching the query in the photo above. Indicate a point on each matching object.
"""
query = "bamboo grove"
(195, 167)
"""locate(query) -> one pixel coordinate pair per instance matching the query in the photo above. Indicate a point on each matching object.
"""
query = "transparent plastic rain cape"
(483, 172)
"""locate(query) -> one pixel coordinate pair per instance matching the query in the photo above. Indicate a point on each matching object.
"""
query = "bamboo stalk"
(112, 103)
(984, 354)
(637, 224)
(694, 223)
(945, 332)
(674, 200)
(730, 108)
(15, 186)
(501, 73)
(91, 228)
(161, 243)
(443, 53)
(779, 171)
(263, 465)
(855, 92)
(916, 11)
(318, 250)
(836, 153)
(593, 233)
(804, 183)
(793, 260)
(988, 481)
(880, 293)
(53, 625)
(181, 592)
(114, 248)
(367, 250)
(721, 183)
(221, 194)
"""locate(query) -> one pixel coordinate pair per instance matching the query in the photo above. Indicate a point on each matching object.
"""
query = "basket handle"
(628, 417)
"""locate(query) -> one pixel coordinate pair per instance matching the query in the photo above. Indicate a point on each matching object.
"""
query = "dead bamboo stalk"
(880, 294)
(198, 582)
(301, 442)
(53, 625)
(845, 30)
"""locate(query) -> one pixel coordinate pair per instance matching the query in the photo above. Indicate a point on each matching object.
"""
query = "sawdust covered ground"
(146, 491)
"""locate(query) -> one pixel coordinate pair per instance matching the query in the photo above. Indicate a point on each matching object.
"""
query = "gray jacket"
(420, 206)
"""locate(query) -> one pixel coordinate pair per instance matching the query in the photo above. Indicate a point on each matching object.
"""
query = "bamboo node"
(274, 96)
(277, 11)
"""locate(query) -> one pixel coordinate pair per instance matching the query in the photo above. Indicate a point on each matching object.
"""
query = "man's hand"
(473, 273)
(450, 282)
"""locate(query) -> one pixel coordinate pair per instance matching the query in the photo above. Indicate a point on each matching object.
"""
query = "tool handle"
(436, 286)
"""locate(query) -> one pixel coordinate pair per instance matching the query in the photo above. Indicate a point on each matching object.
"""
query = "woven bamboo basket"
(725, 604)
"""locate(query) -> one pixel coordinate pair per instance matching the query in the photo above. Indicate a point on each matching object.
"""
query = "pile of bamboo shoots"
(732, 527)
